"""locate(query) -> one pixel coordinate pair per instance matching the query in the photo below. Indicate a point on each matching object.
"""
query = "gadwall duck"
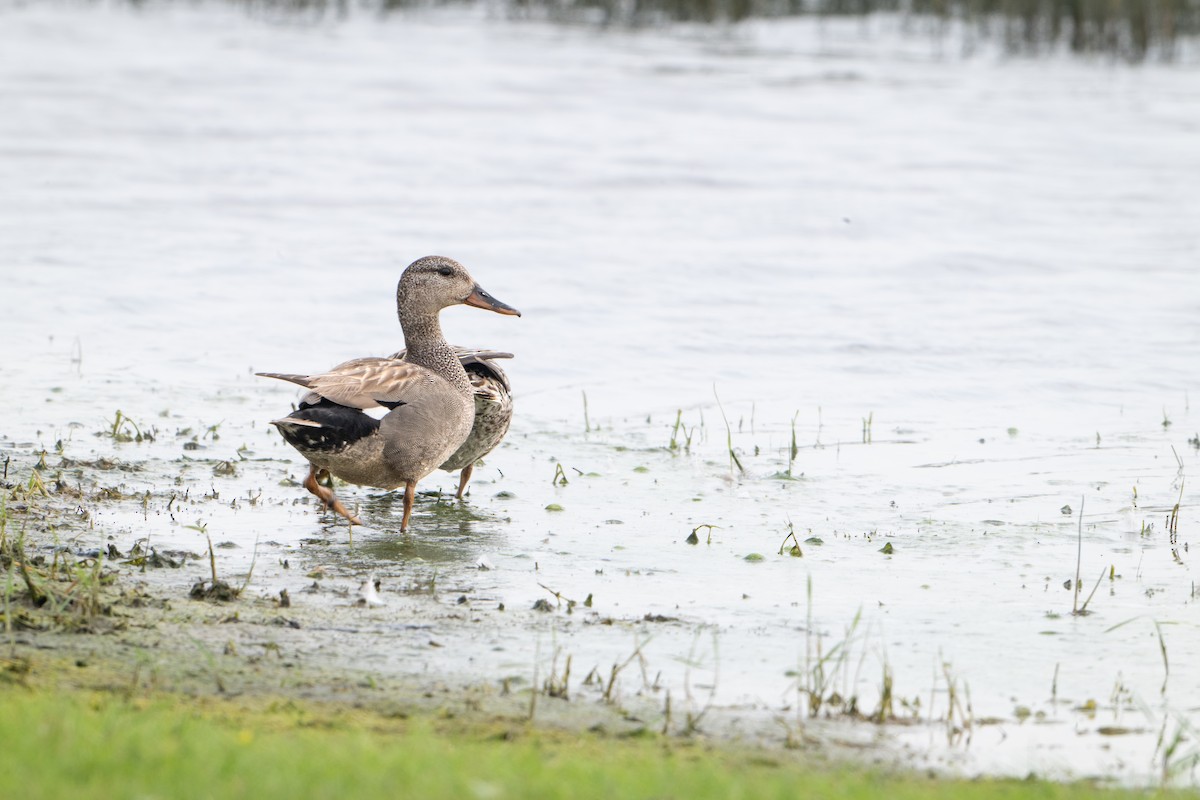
(493, 410)
(428, 396)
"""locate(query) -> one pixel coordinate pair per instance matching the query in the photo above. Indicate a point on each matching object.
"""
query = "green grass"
(82, 744)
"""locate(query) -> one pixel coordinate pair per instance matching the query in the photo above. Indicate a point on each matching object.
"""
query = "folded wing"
(363, 383)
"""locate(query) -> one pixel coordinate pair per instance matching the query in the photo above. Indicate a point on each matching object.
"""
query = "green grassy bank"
(59, 739)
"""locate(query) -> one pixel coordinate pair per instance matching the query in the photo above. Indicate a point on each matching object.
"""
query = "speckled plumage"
(429, 397)
(493, 410)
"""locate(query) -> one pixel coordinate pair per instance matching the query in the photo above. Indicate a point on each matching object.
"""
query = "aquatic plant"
(558, 683)
(119, 430)
(677, 429)
(609, 695)
(814, 682)
(794, 450)
(960, 717)
(794, 550)
(692, 719)
(66, 593)
(733, 457)
(218, 589)
(560, 476)
(1176, 749)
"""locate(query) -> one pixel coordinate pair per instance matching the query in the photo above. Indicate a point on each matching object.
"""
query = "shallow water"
(990, 266)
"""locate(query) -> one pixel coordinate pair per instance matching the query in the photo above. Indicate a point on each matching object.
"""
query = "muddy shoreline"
(361, 618)
(127, 623)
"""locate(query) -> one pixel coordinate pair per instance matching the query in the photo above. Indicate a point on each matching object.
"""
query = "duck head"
(436, 282)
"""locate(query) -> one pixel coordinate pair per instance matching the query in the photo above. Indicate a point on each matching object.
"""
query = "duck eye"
(445, 272)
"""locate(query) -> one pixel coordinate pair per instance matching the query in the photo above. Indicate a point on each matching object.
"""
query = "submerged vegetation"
(1130, 29)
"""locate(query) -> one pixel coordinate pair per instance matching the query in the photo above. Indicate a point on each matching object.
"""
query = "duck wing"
(488, 381)
(364, 382)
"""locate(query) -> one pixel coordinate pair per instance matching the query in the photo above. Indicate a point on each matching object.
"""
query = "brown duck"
(429, 397)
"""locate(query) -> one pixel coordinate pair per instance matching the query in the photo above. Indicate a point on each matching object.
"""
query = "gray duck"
(493, 410)
(428, 396)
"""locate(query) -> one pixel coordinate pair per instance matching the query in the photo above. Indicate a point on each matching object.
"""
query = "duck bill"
(481, 299)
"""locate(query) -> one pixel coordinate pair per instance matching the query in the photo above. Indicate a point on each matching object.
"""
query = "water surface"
(987, 265)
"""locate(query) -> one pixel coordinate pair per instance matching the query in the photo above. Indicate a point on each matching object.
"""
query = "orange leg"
(326, 495)
(463, 477)
(410, 493)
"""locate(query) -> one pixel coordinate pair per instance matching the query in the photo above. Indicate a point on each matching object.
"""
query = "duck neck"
(427, 347)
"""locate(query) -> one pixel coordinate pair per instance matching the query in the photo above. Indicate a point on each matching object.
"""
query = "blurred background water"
(809, 216)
